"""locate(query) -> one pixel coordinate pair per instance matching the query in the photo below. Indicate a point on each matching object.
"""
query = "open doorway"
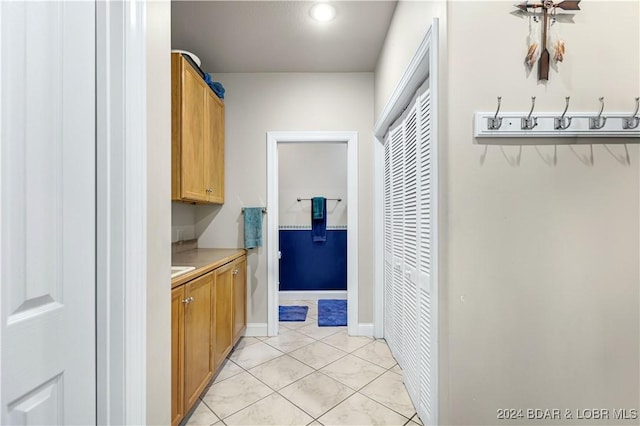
(295, 219)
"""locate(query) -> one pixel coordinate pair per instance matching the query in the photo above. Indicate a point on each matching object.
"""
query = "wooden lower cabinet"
(198, 368)
(208, 317)
(239, 297)
(223, 306)
(177, 355)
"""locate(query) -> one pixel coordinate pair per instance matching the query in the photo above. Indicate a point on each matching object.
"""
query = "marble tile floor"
(307, 375)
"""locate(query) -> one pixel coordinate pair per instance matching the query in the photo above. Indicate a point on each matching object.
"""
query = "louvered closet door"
(427, 300)
(388, 257)
(397, 241)
(409, 225)
(410, 242)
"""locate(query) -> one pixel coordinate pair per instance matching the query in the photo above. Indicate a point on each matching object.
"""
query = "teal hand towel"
(252, 227)
(317, 206)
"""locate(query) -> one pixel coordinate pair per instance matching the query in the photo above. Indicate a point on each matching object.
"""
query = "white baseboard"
(364, 329)
(312, 295)
(256, 329)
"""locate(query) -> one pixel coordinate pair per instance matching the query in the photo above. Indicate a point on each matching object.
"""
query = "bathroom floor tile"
(202, 416)
(298, 324)
(316, 393)
(229, 369)
(389, 391)
(343, 341)
(396, 369)
(416, 420)
(253, 355)
(281, 371)
(376, 352)
(234, 394)
(289, 341)
(319, 332)
(317, 354)
(360, 410)
(246, 341)
(272, 410)
(353, 371)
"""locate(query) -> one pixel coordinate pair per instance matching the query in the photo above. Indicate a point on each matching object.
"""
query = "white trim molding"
(121, 212)
(312, 295)
(256, 329)
(273, 139)
(363, 329)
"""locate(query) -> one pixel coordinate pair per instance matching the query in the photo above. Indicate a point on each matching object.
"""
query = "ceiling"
(280, 36)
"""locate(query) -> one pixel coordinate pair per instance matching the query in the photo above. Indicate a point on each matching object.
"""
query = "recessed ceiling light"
(323, 12)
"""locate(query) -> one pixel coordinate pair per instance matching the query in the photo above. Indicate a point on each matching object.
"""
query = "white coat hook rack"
(529, 122)
(563, 122)
(495, 122)
(557, 124)
(633, 121)
(599, 121)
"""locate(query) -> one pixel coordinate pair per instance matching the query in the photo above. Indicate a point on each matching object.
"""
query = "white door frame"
(121, 212)
(273, 139)
(425, 63)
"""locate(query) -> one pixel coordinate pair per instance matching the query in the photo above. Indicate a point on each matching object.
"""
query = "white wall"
(158, 213)
(183, 221)
(410, 23)
(307, 170)
(543, 251)
(258, 103)
(540, 243)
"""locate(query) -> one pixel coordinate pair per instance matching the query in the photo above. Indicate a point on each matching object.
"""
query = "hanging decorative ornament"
(555, 40)
(534, 35)
(542, 55)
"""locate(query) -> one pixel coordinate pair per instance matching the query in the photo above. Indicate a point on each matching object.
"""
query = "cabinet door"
(177, 355)
(222, 299)
(193, 133)
(197, 313)
(214, 149)
(239, 297)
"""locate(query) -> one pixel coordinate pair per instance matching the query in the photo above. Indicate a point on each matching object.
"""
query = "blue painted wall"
(307, 266)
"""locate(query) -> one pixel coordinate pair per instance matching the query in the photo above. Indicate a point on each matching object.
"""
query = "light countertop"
(204, 260)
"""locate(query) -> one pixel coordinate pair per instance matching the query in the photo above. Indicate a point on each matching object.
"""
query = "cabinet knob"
(235, 272)
(209, 190)
(188, 300)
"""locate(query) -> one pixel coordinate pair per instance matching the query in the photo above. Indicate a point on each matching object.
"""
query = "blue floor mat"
(332, 312)
(292, 313)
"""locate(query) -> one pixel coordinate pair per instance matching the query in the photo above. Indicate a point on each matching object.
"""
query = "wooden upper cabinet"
(197, 137)
(214, 149)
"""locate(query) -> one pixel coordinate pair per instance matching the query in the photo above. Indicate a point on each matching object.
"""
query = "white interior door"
(47, 213)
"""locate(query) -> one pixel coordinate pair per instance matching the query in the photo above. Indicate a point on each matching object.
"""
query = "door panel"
(222, 299)
(177, 355)
(239, 297)
(198, 367)
(47, 261)
(193, 133)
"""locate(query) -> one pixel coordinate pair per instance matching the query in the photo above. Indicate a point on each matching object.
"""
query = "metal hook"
(529, 123)
(633, 121)
(495, 122)
(599, 121)
(562, 123)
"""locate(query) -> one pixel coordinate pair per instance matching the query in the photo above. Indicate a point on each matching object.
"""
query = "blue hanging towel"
(252, 227)
(319, 224)
(318, 205)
